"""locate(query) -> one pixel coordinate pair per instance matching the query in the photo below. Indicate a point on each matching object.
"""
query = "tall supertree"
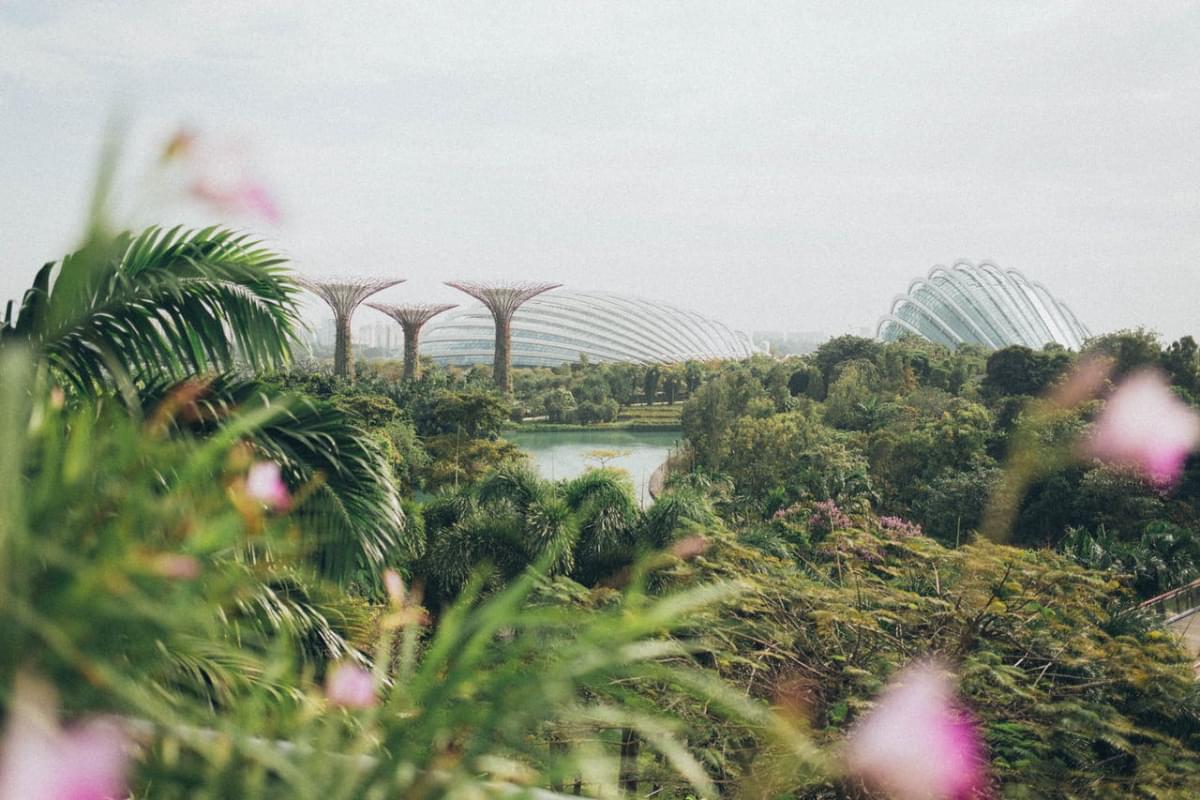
(412, 318)
(503, 300)
(344, 294)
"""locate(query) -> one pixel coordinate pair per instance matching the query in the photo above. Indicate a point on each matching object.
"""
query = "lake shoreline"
(599, 427)
(564, 455)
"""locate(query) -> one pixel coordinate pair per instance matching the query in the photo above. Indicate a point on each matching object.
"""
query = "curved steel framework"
(560, 327)
(982, 304)
(412, 318)
(502, 300)
(344, 295)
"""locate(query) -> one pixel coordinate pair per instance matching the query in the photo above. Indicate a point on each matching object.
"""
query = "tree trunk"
(343, 358)
(500, 366)
(412, 366)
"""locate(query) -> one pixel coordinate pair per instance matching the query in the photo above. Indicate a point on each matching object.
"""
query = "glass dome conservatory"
(559, 327)
(982, 304)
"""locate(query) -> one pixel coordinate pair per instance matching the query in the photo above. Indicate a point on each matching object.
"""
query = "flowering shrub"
(827, 517)
(896, 526)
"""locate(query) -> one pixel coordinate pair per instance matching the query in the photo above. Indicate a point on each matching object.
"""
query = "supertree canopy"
(412, 318)
(503, 299)
(344, 295)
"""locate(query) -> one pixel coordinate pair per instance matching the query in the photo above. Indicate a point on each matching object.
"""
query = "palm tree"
(129, 310)
(351, 511)
(588, 528)
(142, 316)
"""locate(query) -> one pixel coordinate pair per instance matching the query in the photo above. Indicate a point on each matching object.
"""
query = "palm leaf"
(163, 305)
(352, 511)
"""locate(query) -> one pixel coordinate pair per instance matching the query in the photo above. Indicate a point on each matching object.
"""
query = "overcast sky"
(784, 165)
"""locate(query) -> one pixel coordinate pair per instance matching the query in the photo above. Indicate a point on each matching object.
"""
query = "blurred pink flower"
(217, 173)
(394, 585)
(1144, 425)
(350, 686)
(40, 761)
(917, 744)
(244, 197)
(265, 484)
(177, 566)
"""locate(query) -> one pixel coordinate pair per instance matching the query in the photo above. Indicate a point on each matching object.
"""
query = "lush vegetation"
(276, 583)
(915, 431)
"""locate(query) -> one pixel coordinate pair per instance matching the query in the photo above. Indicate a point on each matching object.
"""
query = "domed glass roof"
(559, 327)
(982, 304)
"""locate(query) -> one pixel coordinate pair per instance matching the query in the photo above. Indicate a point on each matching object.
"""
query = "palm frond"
(351, 509)
(163, 305)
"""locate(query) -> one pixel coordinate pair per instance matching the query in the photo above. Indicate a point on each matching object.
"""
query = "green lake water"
(559, 455)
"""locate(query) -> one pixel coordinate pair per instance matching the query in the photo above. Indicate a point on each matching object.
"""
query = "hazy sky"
(778, 165)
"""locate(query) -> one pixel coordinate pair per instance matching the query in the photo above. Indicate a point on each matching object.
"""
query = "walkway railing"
(1177, 603)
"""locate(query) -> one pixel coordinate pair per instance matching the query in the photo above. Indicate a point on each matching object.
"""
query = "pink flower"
(264, 484)
(1144, 425)
(917, 744)
(240, 198)
(218, 174)
(40, 761)
(900, 527)
(350, 686)
(177, 566)
(394, 585)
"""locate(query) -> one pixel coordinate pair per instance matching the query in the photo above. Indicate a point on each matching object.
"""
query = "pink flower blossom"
(917, 743)
(350, 686)
(1144, 425)
(218, 174)
(394, 585)
(240, 198)
(177, 566)
(40, 761)
(828, 517)
(900, 527)
(265, 484)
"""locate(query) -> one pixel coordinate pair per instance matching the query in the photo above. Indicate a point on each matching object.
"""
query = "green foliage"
(1129, 349)
(352, 510)
(160, 306)
(588, 528)
(841, 349)
(1018, 370)
(472, 412)
(214, 659)
(1074, 700)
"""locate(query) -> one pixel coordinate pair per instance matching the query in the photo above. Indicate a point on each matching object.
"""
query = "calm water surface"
(565, 455)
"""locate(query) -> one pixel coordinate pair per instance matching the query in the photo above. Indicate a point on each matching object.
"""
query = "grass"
(656, 418)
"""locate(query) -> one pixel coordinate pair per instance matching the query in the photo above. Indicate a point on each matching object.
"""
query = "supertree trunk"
(503, 300)
(503, 350)
(343, 296)
(412, 364)
(343, 349)
(412, 319)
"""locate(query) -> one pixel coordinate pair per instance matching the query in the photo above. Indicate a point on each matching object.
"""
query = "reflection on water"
(567, 454)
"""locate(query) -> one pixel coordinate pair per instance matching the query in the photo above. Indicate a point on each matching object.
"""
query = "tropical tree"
(129, 310)
(167, 316)
(587, 528)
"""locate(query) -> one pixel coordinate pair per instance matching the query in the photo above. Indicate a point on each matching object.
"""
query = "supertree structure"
(503, 300)
(412, 318)
(344, 295)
